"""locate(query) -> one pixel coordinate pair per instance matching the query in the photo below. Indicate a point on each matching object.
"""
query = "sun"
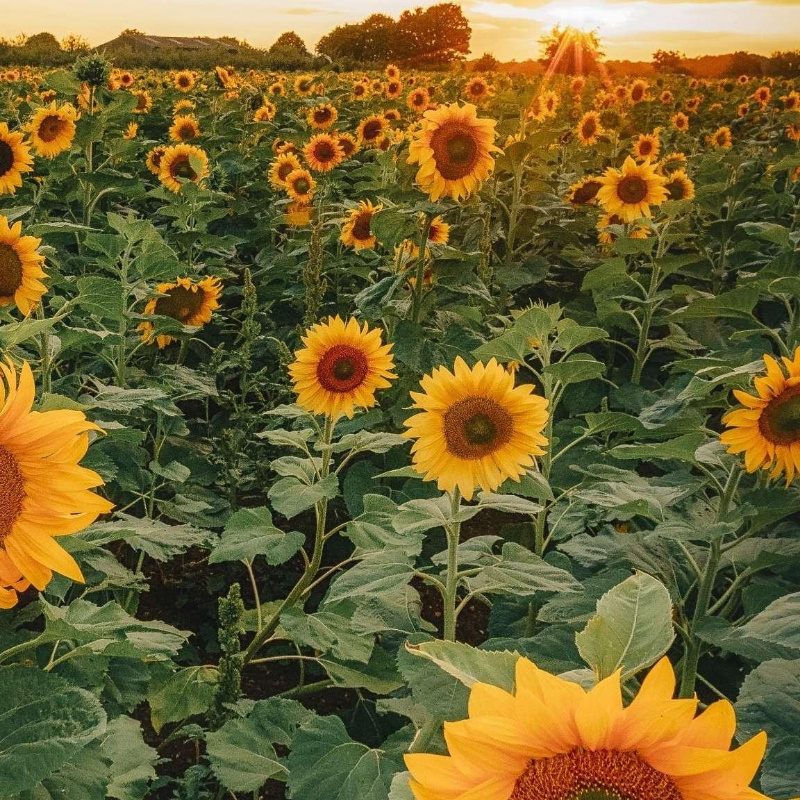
(585, 17)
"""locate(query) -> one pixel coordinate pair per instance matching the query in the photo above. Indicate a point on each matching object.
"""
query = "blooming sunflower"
(679, 185)
(182, 105)
(474, 428)
(265, 112)
(277, 89)
(20, 268)
(553, 740)
(321, 117)
(589, 128)
(300, 185)
(341, 367)
(186, 301)
(638, 91)
(182, 162)
(767, 429)
(454, 150)
(666, 97)
(721, 138)
(762, 95)
(439, 231)
(44, 493)
(477, 90)
(646, 146)
(184, 128)
(393, 89)
(298, 215)
(15, 158)
(631, 191)
(281, 167)
(370, 129)
(52, 129)
(356, 230)
(680, 122)
(184, 81)
(793, 132)
(323, 152)
(392, 72)
(154, 157)
(577, 84)
(304, 85)
(143, 103)
(584, 191)
(348, 143)
(360, 91)
(418, 99)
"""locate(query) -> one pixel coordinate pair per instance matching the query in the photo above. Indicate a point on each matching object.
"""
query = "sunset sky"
(508, 28)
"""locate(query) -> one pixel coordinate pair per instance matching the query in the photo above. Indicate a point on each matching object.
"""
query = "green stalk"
(450, 595)
(416, 307)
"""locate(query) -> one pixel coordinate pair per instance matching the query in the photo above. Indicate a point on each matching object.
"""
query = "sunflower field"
(398, 436)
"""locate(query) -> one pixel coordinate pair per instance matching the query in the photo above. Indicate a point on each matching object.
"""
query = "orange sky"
(508, 28)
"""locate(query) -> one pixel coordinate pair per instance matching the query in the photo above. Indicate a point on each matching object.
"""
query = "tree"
(434, 36)
(486, 63)
(132, 32)
(289, 41)
(569, 51)
(785, 64)
(668, 61)
(743, 63)
(370, 41)
(74, 43)
(43, 41)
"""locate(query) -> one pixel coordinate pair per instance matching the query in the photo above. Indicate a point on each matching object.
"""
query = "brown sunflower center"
(632, 189)
(181, 167)
(676, 189)
(645, 147)
(324, 151)
(10, 270)
(284, 169)
(141, 102)
(586, 193)
(476, 426)
(51, 127)
(589, 127)
(594, 775)
(342, 368)
(180, 303)
(301, 186)
(361, 226)
(372, 130)
(12, 492)
(455, 150)
(779, 422)
(322, 115)
(346, 145)
(6, 157)
(187, 131)
(183, 81)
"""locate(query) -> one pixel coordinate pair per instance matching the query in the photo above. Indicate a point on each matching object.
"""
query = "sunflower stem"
(450, 596)
(416, 307)
(21, 648)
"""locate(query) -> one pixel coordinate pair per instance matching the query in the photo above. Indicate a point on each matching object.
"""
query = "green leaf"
(385, 572)
(14, 333)
(680, 448)
(291, 497)
(132, 761)
(417, 516)
(327, 632)
(250, 532)
(157, 539)
(44, 722)
(738, 303)
(183, 694)
(631, 630)
(468, 664)
(102, 296)
(115, 398)
(326, 764)
(768, 231)
(576, 368)
(368, 441)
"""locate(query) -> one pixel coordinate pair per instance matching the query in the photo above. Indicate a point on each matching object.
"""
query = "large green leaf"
(250, 533)
(183, 694)
(132, 761)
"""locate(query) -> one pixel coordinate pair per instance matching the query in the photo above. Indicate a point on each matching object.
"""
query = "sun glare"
(586, 16)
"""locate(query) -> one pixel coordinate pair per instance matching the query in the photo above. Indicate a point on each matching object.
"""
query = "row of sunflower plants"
(398, 436)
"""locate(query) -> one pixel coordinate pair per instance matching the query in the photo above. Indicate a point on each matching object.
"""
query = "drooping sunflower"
(793, 132)
(304, 85)
(647, 146)
(680, 122)
(183, 104)
(321, 117)
(348, 143)
(553, 740)
(184, 81)
(143, 103)
(265, 112)
(223, 77)
(673, 162)
(721, 138)
(693, 103)
(767, 429)
(323, 152)
(606, 236)
(284, 164)
(631, 191)
(44, 493)
(356, 231)
(453, 148)
(298, 215)
(341, 367)
(370, 129)
(584, 191)
(392, 114)
(130, 131)
(589, 128)
(418, 99)
(15, 158)
(154, 157)
(182, 161)
(186, 301)
(679, 185)
(20, 268)
(184, 128)
(52, 129)
(638, 91)
(474, 428)
(300, 186)
(439, 231)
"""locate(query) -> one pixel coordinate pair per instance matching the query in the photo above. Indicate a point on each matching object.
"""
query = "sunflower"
(348, 143)
(584, 191)
(392, 72)
(631, 191)
(474, 428)
(20, 268)
(182, 162)
(300, 185)
(606, 236)
(793, 132)
(370, 129)
(126, 80)
(477, 90)
(154, 157)
(418, 99)
(184, 81)
(44, 493)
(680, 122)
(131, 131)
(143, 103)
(186, 301)
(323, 152)
(284, 164)
(646, 146)
(550, 103)
(393, 89)
(577, 84)
(265, 112)
(767, 429)
(52, 129)
(321, 117)
(356, 230)
(182, 105)
(679, 186)
(762, 95)
(304, 85)
(15, 158)
(360, 91)
(224, 78)
(589, 128)
(184, 128)
(553, 740)
(721, 138)
(392, 114)
(298, 215)
(341, 367)
(277, 89)
(439, 231)
(638, 91)
(454, 151)
(791, 102)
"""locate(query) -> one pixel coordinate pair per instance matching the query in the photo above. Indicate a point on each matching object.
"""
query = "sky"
(509, 29)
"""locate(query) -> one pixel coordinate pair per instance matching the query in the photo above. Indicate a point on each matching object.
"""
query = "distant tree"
(434, 36)
(370, 41)
(291, 41)
(132, 32)
(785, 64)
(668, 61)
(74, 43)
(486, 63)
(569, 51)
(743, 63)
(42, 41)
